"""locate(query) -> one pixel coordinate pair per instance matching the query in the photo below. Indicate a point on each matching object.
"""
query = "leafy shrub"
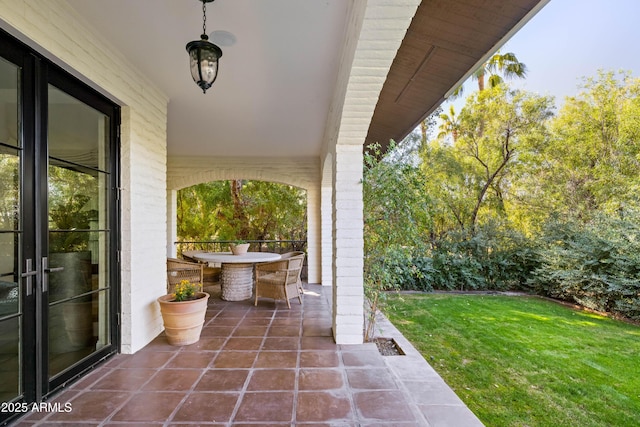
(456, 268)
(409, 269)
(596, 265)
(495, 258)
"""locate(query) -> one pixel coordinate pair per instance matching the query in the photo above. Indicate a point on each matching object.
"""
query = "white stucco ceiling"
(275, 83)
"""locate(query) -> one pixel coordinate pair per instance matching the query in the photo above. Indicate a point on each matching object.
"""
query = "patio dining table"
(237, 271)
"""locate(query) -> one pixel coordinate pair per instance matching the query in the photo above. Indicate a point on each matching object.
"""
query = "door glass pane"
(78, 231)
(9, 75)
(10, 235)
(9, 230)
(77, 133)
(10, 367)
(77, 328)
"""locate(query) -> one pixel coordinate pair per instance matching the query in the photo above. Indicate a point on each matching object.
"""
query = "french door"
(58, 227)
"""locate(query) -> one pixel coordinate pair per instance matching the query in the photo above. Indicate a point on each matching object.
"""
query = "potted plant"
(239, 247)
(183, 313)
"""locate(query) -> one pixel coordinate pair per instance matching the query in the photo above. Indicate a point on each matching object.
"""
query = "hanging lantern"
(204, 56)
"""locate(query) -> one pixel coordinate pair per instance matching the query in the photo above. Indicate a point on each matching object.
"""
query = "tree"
(426, 126)
(592, 163)
(506, 64)
(199, 210)
(449, 125)
(470, 176)
(250, 210)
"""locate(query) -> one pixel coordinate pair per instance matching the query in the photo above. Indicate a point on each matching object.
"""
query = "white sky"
(571, 39)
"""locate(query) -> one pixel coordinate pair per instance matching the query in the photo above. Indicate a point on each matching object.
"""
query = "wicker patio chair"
(211, 273)
(178, 270)
(279, 279)
(292, 254)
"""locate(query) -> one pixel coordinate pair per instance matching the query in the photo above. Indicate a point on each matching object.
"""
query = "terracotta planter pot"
(239, 248)
(183, 320)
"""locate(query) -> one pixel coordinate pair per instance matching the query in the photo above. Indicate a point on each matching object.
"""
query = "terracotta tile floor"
(263, 366)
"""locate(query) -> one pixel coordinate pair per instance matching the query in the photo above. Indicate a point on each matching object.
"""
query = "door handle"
(47, 269)
(28, 276)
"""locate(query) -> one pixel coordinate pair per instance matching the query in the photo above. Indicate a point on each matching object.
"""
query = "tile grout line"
(175, 411)
(245, 386)
(350, 392)
(296, 386)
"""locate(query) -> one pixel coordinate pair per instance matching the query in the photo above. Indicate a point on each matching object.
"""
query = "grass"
(524, 361)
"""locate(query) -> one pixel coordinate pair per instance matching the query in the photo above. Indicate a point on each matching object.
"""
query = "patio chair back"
(178, 270)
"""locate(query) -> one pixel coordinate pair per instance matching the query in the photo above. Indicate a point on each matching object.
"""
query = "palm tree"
(506, 64)
(450, 124)
(495, 70)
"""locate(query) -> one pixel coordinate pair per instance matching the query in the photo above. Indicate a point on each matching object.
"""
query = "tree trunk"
(239, 216)
(423, 131)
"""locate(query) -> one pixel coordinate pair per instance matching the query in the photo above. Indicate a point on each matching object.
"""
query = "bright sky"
(571, 39)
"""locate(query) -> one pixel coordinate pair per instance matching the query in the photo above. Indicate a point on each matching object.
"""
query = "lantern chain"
(204, 17)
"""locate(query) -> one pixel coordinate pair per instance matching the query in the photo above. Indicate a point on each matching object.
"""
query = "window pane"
(9, 85)
(77, 133)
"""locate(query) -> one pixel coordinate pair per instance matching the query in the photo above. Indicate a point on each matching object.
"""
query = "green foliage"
(199, 210)
(592, 163)
(456, 268)
(494, 70)
(9, 189)
(245, 210)
(71, 207)
(469, 175)
(495, 258)
(508, 167)
(403, 268)
(395, 219)
(594, 264)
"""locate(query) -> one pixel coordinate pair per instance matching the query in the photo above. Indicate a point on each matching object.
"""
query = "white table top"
(229, 258)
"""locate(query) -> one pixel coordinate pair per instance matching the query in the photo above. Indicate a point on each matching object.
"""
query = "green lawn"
(520, 361)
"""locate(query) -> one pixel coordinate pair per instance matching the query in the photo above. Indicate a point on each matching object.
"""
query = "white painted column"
(348, 290)
(313, 234)
(172, 222)
(326, 226)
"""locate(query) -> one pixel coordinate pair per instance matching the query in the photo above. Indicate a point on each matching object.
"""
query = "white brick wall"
(348, 291)
(327, 221)
(53, 28)
(172, 222)
(314, 240)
